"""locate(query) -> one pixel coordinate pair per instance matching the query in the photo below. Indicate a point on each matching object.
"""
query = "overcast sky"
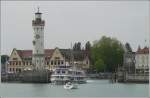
(69, 22)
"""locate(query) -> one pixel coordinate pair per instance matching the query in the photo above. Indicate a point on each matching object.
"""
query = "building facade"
(22, 59)
(129, 62)
(142, 60)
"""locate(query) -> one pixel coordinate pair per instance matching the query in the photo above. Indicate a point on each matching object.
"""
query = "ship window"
(58, 71)
(63, 71)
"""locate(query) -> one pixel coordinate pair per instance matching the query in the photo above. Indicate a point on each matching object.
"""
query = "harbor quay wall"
(27, 76)
(137, 78)
(133, 78)
(99, 76)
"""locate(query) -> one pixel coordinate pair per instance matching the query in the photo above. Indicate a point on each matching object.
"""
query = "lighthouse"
(38, 73)
(38, 41)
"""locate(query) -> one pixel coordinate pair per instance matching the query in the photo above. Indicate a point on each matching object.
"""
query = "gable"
(14, 56)
(57, 55)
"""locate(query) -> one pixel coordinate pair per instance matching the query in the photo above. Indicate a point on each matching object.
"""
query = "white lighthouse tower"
(38, 42)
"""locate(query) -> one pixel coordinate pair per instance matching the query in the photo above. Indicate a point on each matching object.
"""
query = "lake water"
(94, 88)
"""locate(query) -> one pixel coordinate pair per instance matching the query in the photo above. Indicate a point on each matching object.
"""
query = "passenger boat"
(62, 74)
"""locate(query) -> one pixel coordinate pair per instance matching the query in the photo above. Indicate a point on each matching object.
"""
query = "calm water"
(94, 88)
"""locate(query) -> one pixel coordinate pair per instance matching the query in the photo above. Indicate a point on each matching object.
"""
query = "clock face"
(37, 36)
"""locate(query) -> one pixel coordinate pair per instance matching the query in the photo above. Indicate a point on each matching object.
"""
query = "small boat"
(69, 85)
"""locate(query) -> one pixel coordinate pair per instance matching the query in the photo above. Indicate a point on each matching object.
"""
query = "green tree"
(100, 66)
(110, 50)
(88, 46)
(4, 58)
(77, 46)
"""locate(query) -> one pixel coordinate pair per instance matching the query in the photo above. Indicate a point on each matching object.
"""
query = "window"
(58, 72)
(57, 57)
(51, 62)
(63, 71)
(55, 63)
(13, 63)
(23, 63)
(16, 63)
(19, 62)
(58, 62)
(9, 69)
(14, 59)
(19, 70)
(87, 62)
(46, 58)
(62, 62)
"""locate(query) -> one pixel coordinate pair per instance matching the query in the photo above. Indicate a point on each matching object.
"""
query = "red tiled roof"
(28, 53)
(143, 51)
(49, 52)
(78, 55)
